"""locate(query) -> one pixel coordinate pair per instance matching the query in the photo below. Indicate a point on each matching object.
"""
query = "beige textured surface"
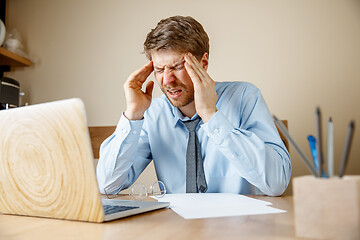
(327, 208)
(45, 165)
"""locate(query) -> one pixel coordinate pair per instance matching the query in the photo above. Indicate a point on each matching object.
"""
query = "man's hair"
(178, 33)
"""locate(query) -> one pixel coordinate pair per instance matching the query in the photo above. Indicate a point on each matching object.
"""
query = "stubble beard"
(181, 102)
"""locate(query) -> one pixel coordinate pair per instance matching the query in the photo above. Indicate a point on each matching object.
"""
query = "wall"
(300, 53)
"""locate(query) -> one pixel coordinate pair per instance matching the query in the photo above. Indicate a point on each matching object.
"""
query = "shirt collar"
(178, 116)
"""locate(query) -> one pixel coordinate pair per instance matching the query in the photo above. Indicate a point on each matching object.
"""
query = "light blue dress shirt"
(241, 148)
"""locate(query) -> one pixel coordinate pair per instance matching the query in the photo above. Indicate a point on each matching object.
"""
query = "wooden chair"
(283, 138)
(98, 135)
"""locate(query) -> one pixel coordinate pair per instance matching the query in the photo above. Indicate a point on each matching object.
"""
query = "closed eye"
(158, 70)
(178, 68)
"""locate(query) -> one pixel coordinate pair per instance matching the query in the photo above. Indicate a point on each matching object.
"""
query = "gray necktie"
(195, 176)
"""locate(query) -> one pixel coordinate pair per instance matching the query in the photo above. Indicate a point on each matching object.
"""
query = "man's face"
(172, 77)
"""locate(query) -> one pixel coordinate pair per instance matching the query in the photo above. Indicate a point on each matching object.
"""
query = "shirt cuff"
(128, 128)
(218, 127)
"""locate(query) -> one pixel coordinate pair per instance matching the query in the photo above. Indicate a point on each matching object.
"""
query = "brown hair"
(178, 33)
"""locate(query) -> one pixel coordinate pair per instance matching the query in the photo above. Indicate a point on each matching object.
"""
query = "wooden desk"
(160, 224)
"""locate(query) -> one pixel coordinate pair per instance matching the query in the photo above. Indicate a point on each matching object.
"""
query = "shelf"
(11, 59)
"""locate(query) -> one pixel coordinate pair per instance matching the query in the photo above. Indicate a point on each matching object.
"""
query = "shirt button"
(134, 132)
(216, 130)
(236, 131)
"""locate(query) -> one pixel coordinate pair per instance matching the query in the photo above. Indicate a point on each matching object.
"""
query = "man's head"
(166, 46)
(180, 34)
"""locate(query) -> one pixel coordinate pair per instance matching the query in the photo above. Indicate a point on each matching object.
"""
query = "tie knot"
(191, 124)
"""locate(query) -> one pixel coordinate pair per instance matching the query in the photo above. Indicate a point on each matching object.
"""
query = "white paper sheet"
(209, 205)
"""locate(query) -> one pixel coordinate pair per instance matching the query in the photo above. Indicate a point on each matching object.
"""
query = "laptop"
(47, 167)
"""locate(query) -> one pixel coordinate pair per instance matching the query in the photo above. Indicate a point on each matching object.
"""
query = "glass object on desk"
(139, 191)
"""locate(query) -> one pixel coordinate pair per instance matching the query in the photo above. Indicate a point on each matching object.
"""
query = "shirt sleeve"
(123, 156)
(254, 146)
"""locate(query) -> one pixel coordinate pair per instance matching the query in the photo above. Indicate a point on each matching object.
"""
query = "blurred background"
(300, 53)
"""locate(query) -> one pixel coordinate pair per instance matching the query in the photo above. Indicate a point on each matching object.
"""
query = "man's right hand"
(138, 101)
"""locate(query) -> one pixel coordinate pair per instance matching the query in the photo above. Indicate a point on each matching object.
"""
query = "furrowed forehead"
(169, 64)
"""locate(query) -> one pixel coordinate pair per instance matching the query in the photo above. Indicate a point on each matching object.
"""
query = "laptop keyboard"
(109, 209)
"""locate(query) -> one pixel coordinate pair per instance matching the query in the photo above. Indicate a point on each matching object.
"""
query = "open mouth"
(174, 93)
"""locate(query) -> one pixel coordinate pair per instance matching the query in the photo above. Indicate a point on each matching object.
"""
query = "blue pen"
(312, 144)
(314, 154)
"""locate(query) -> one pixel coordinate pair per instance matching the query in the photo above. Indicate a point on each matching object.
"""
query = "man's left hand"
(204, 88)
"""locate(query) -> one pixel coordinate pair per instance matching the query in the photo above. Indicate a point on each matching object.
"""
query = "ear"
(205, 61)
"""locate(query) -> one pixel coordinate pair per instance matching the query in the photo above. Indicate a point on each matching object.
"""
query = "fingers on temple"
(142, 73)
(192, 73)
(197, 66)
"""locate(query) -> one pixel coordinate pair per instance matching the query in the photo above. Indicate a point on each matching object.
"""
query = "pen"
(319, 140)
(312, 144)
(346, 150)
(282, 128)
(330, 148)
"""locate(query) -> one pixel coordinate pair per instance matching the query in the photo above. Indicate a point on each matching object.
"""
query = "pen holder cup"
(327, 208)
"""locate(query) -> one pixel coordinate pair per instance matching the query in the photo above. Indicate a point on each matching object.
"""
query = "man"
(237, 148)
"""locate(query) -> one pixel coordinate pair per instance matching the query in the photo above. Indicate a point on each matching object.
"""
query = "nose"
(168, 77)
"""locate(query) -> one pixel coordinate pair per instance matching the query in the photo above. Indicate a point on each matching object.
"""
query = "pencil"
(347, 147)
(320, 157)
(330, 155)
